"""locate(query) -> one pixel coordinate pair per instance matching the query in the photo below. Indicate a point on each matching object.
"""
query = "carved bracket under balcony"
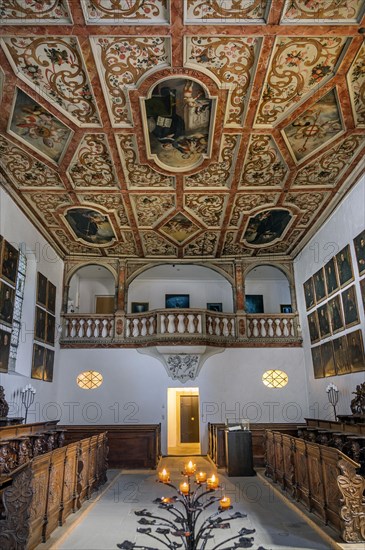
(182, 363)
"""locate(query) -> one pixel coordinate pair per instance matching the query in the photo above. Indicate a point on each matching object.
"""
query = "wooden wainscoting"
(130, 446)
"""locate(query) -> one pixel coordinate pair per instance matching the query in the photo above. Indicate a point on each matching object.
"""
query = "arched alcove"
(203, 286)
(268, 285)
(91, 290)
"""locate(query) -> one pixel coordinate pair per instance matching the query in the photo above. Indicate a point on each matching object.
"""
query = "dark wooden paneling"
(18, 430)
(130, 446)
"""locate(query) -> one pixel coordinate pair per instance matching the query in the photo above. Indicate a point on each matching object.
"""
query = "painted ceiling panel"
(264, 165)
(182, 129)
(297, 68)
(55, 67)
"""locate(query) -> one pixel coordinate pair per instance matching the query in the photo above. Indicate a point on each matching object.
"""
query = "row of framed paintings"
(174, 301)
(339, 313)
(42, 363)
(337, 273)
(44, 326)
(46, 293)
(339, 356)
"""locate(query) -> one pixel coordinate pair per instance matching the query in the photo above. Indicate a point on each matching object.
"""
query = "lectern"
(239, 457)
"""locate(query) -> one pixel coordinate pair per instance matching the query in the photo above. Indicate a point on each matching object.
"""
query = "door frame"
(178, 415)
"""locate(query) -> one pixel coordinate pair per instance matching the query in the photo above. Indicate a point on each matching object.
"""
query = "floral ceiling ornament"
(345, 11)
(245, 203)
(203, 246)
(141, 12)
(264, 164)
(156, 246)
(122, 62)
(231, 11)
(18, 11)
(208, 208)
(150, 209)
(232, 61)
(55, 67)
(298, 66)
(356, 81)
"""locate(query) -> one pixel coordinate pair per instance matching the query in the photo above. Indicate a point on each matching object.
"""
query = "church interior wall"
(346, 222)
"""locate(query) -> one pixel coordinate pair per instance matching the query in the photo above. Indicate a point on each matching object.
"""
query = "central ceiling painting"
(181, 129)
(178, 117)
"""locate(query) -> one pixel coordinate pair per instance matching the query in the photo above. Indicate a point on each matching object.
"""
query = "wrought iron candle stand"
(332, 394)
(193, 497)
(27, 394)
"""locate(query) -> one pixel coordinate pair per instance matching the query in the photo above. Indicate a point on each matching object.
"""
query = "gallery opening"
(182, 274)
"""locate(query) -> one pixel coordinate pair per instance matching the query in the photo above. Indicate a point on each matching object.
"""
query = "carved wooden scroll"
(352, 487)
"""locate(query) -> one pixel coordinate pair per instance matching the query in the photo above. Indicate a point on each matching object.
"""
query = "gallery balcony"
(180, 326)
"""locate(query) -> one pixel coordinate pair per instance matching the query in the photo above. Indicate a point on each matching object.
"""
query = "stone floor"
(109, 517)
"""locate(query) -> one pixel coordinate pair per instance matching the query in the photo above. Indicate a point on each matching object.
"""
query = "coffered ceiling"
(182, 129)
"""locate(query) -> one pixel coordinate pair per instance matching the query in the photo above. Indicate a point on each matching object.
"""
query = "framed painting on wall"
(313, 327)
(51, 326)
(254, 303)
(359, 243)
(331, 277)
(177, 301)
(7, 297)
(51, 297)
(41, 289)
(139, 307)
(340, 352)
(4, 350)
(335, 314)
(9, 265)
(48, 365)
(286, 308)
(318, 370)
(355, 346)
(319, 285)
(38, 362)
(323, 321)
(350, 309)
(309, 293)
(211, 306)
(40, 324)
(344, 266)
(362, 289)
(328, 359)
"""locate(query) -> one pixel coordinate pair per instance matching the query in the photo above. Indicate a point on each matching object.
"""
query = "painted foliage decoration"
(179, 123)
(317, 11)
(20, 11)
(55, 67)
(232, 11)
(140, 12)
(356, 81)
(264, 164)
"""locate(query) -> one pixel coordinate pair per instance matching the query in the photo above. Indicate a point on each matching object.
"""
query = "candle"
(190, 468)
(164, 476)
(184, 488)
(212, 482)
(201, 477)
(225, 503)
(166, 500)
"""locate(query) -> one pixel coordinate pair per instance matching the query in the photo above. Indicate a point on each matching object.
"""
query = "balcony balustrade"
(183, 326)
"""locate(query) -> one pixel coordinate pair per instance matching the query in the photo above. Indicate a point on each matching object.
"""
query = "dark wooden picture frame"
(344, 266)
(313, 327)
(350, 308)
(50, 328)
(331, 276)
(177, 301)
(7, 300)
(359, 244)
(215, 306)
(38, 362)
(319, 285)
(318, 370)
(328, 359)
(9, 262)
(4, 350)
(324, 321)
(362, 291)
(286, 308)
(309, 295)
(336, 314)
(41, 289)
(139, 307)
(355, 344)
(341, 355)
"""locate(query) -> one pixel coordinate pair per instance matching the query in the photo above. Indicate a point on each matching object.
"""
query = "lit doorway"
(183, 425)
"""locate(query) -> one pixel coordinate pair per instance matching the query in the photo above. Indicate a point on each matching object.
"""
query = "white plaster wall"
(16, 228)
(135, 387)
(89, 289)
(347, 221)
(274, 293)
(201, 292)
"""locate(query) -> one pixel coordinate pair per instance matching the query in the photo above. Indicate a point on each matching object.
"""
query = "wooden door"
(189, 419)
(104, 304)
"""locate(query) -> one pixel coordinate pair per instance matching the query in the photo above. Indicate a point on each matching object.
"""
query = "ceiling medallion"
(266, 227)
(178, 120)
(90, 226)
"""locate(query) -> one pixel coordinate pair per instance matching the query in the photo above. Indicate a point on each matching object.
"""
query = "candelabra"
(27, 394)
(193, 497)
(332, 394)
